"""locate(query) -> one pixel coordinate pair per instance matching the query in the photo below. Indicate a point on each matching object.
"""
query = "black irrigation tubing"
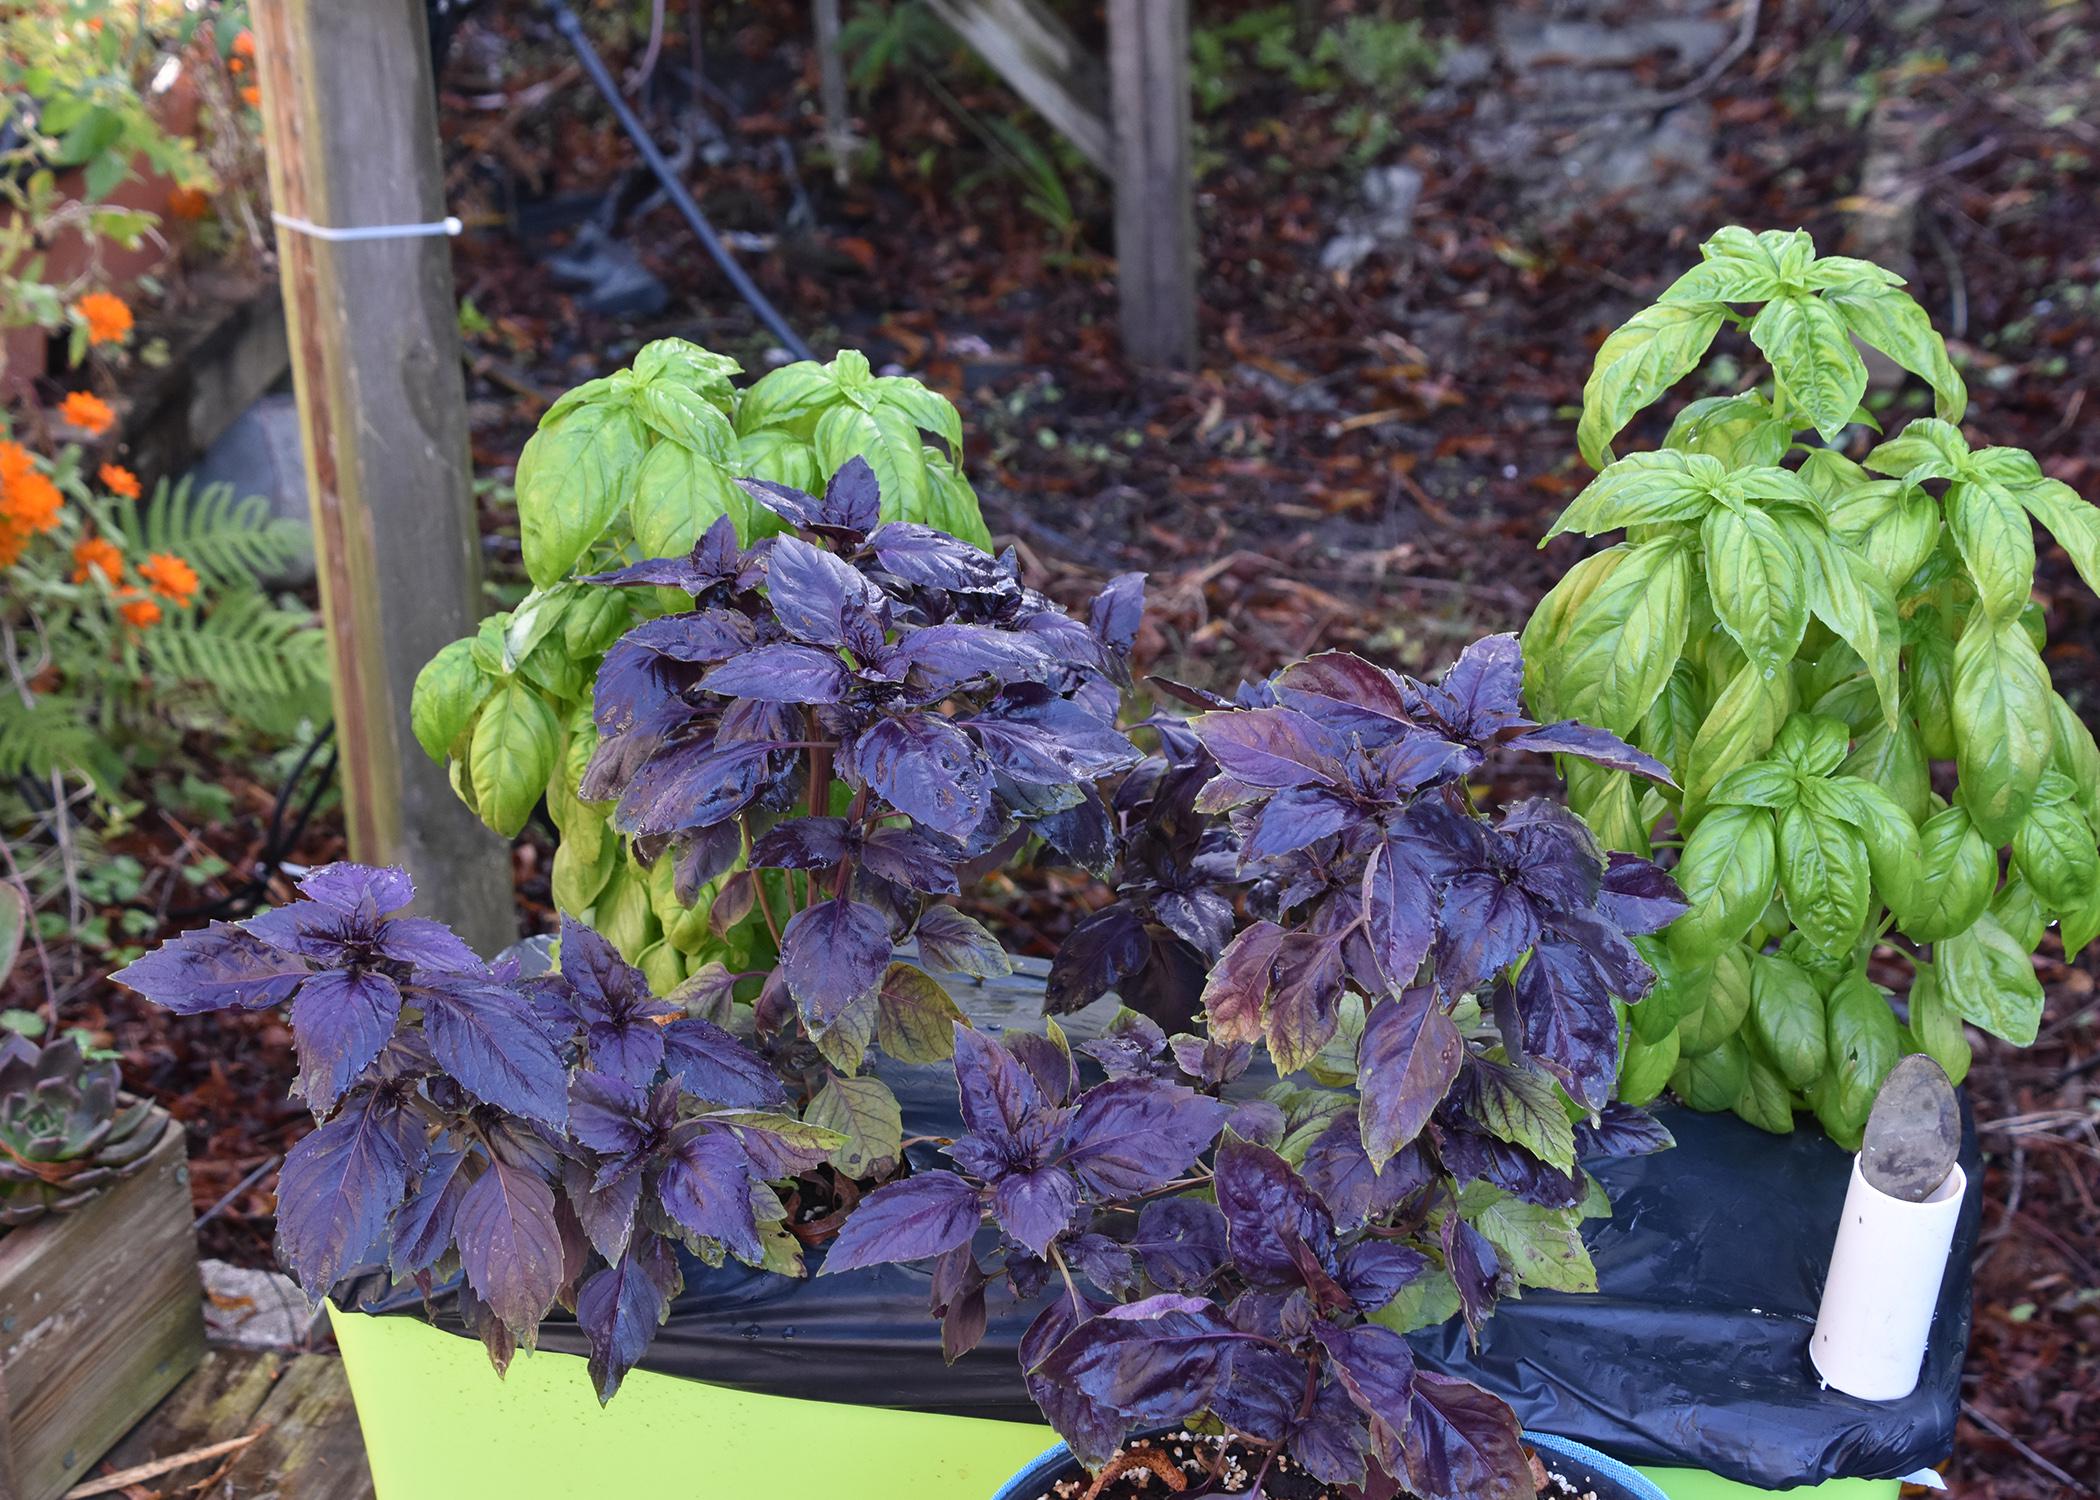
(572, 31)
(281, 841)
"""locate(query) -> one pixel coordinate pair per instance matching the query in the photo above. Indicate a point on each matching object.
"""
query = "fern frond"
(56, 732)
(234, 542)
(268, 665)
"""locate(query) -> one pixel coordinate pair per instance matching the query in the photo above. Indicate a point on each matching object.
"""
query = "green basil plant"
(1805, 639)
(639, 464)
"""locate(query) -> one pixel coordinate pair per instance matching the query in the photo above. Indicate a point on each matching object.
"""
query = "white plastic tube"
(1883, 1288)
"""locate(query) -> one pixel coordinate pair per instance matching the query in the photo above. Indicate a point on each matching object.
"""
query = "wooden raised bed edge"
(101, 1315)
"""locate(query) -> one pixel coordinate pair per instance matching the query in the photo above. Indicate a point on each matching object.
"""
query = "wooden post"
(350, 125)
(831, 90)
(1148, 69)
(1028, 46)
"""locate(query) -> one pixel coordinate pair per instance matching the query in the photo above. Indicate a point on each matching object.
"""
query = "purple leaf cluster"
(877, 706)
(551, 1139)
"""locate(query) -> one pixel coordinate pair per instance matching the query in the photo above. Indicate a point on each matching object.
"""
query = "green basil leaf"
(1835, 272)
(2002, 730)
(1738, 729)
(512, 756)
(1765, 1100)
(1723, 1006)
(1672, 721)
(572, 480)
(1645, 1067)
(954, 507)
(1606, 801)
(1733, 267)
(1889, 319)
(622, 914)
(1656, 1014)
(594, 620)
(2018, 910)
(889, 441)
(1936, 1027)
(591, 391)
(1643, 489)
(2015, 468)
(1736, 430)
(1957, 873)
(1608, 644)
(1847, 593)
(791, 399)
(1813, 744)
(1894, 760)
(915, 1017)
(2079, 923)
(449, 692)
(1863, 1038)
(1524, 1109)
(2074, 523)
(1813, 359)
(1823, 873)
(1712, 1081)
(1643, 358)
(1931, 692)
(1893, 525)
(867, 1114)
(1756, 579)
(2074, 754)
(1926, 449)
(686, 364)
(1786, 1012)
(1997, 544)
(2054, 847)
(1891, 838)
(1987, 978)
(1726, 872)
(1542, 1247)
(1767, 783)
(688, 418)
(929, 410)
(679, 494)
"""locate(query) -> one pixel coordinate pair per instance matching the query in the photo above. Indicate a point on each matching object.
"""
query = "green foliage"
(639, 464)
(1801, 636)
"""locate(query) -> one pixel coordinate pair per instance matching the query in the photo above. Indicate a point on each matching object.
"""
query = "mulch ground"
(1361, 460)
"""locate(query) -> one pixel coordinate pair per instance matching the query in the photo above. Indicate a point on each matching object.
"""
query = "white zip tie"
(446, 225)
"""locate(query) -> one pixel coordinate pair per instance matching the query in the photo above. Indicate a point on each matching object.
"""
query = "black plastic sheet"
(1693, 1353)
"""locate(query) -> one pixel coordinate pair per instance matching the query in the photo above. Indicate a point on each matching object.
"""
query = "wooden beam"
(350, 126)
(1148, 64)
(831, 90)
(1029, 47)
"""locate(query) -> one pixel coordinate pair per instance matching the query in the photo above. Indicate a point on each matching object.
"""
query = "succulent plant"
(65, 1130)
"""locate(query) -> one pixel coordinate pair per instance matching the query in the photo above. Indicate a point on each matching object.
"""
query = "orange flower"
(252, 96)
(87, 411)
(108, 319)
(244, 43)
(170, 577)
(97, 554)
(119, 480)
(29, 501)
(137, 609)
(11, 545)
(186, 203)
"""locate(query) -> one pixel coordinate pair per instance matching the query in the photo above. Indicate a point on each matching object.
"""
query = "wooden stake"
(1148, 69)
(349, 113)
(831, 90)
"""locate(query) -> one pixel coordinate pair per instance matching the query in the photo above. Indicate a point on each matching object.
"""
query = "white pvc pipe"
(1883, 1288)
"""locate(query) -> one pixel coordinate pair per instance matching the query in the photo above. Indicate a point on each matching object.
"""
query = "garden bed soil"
(1195, 1466)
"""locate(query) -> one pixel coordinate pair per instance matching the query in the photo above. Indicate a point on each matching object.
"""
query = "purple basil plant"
(1458, 976)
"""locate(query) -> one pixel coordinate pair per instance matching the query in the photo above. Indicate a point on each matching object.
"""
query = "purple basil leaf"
(1305, 1005)
(485, 1038)
(853, 499)
(953, 943)
(1374, 1271)
(1419, 759)
(1240, 982)
(1553, 853)
(1569, 1023)
(1049, 1062)
(359, 890)
(606, 1213)
(933, 559)
(1334, 1441)
(1484, 926)
(1462, 1443)
(784, 500)
(704, 855)
(1260, 1392)
(705, 1186)
(340, 1184)
(957, 1299)
(1131, 1135)
(630, 1047)
(1148, 1362)
(814, 594)
(1193, 697)
(422, 1228)
(1035, 1207)
(1407, 1060)
(693, 784)
(999, 1096)
(1256, 1120)
(1212, 1063)
(1346, 693)
(925, 1215)
(509, 1243)
(1108, 1264)
(802, 844)
(1181, 1242)
(1045, 740)
(1597, 745)
(1621, 1130)
(914, 859)
(1086, 1424)
(1271, 747)
(1399, 909)
(944, 657)
(1482, 692)
(1339, 1169)
(1474, 1269)
(219, 967)
(606, 1115)
(1377, 1370)
(1471, 1155)
(620, 1309)
(1296, 818)
(1638, 897)
(781, 673)
(928, 770)
(711, 1064)
(1098, 954)
(426, 944)
(339, 1022)
(1117, 611)
(834, 955)
(1267, 1209)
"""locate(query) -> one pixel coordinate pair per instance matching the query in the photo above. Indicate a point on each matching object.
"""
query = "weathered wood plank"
(100, 1317)
(350, 127)
(220, 1400)
(1148, 62)
(1029, 47)
(313, 1446)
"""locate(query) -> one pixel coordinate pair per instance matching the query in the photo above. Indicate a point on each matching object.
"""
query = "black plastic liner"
(1693, 1353)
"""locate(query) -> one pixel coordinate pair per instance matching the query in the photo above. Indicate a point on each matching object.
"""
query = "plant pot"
(438, 1424)
(1589, 1470)
(101, 1315)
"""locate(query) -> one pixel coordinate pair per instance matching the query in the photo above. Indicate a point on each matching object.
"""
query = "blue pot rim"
(1636, 1485)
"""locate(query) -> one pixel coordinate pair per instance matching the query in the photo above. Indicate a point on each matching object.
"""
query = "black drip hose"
(572, 31)
(280, 842)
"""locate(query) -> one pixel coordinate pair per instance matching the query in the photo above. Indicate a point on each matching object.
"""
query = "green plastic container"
(439, 1425)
